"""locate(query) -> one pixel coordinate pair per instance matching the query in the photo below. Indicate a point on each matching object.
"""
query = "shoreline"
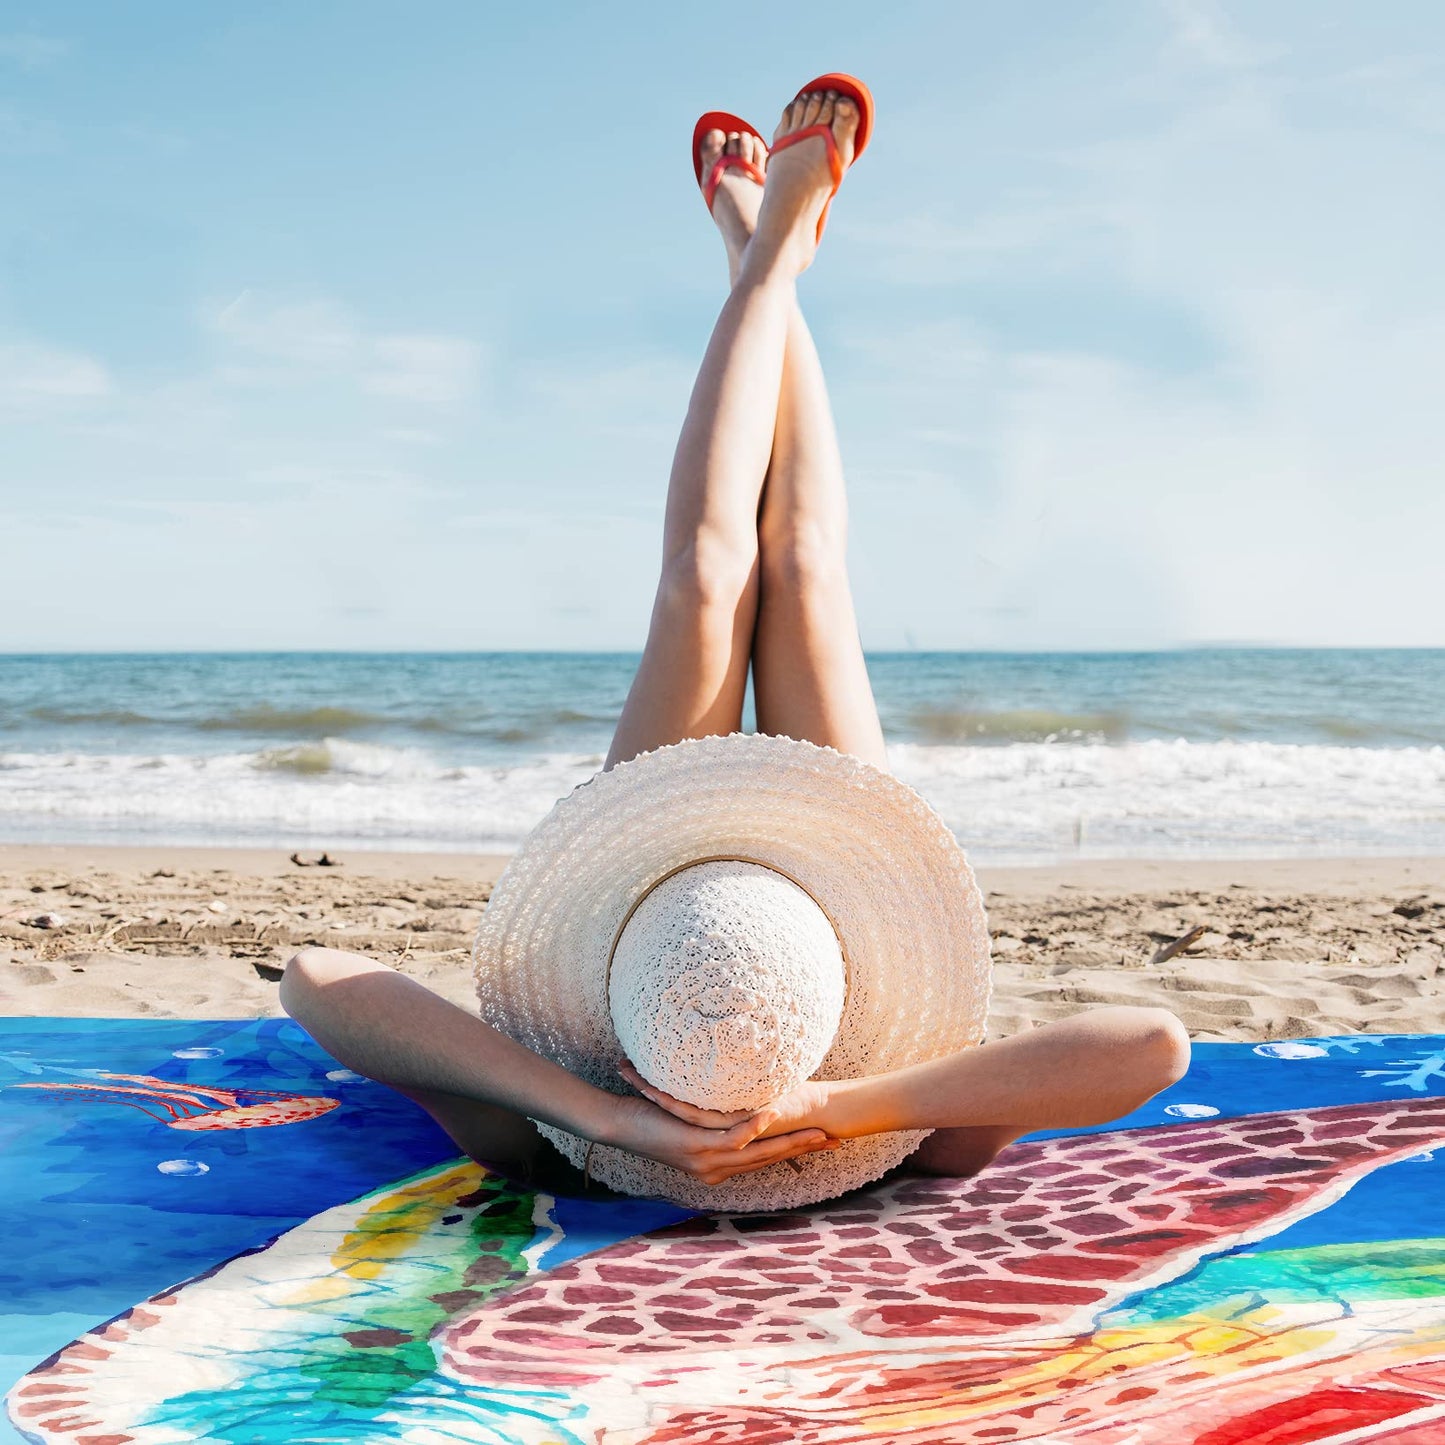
(1125, 874)
(1289, 947)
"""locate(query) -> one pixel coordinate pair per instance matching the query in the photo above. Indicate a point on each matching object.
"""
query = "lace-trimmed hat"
(736, 915)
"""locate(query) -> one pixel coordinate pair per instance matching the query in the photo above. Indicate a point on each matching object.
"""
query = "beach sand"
(1289, 947)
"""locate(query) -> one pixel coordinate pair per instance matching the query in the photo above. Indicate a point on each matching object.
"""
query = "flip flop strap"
(715, 175)
(835, 161)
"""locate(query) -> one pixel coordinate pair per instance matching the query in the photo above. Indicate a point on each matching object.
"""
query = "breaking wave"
(949, 725)
(1025, 802)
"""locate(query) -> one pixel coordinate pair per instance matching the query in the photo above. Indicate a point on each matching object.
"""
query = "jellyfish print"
(192, 1107)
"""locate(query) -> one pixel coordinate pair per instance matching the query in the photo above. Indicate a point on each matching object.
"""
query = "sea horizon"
(1159, 651)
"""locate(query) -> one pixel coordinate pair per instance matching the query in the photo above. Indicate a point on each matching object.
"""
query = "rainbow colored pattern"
(1202, 1276)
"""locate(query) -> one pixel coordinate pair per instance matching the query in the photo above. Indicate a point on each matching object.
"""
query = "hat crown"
(727, 985)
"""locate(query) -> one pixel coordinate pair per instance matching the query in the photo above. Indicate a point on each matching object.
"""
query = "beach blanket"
(215, 1233)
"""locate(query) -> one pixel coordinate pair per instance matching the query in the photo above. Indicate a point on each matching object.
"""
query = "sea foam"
(1026, 802)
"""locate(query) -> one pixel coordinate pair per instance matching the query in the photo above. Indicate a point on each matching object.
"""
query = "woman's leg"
(809, 677)
(693, 674)
(694, 669)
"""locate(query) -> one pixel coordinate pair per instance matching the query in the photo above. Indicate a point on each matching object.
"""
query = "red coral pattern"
(923, 1289)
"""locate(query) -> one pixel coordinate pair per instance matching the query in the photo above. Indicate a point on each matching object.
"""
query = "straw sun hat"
(737, 915)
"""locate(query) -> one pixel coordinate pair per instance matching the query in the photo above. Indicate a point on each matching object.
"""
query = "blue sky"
(366, 325)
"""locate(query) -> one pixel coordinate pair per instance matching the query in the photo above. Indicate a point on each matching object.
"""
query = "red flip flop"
(862, 97)
(721, 120)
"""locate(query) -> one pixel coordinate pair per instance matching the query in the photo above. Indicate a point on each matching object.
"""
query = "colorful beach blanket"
(216, 1233)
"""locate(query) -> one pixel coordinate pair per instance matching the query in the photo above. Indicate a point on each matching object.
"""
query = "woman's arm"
(1077, 1071)
(1087, 1069)
(390, 1028)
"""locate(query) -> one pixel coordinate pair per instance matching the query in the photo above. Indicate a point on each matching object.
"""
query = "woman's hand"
(710, 1151)
(801, 1109)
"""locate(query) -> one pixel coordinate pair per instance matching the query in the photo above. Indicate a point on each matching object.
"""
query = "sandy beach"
(1287, 948)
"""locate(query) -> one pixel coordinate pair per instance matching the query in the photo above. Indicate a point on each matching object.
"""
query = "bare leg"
(809, 676)
(693, 674)
(480, 1085)
(694, 669)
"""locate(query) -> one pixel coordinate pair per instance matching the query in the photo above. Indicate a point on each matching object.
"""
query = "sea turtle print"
(1081, 1290)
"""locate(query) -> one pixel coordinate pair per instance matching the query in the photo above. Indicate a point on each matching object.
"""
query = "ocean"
(1029, 758)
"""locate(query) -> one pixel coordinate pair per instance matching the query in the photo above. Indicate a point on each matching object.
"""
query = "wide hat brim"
(875, 857)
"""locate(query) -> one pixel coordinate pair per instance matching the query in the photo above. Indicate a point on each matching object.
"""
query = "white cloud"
(411, 436)
(265, 341)
(309, 334)
(1058, 235)
(434, 370)
(647, 388)
(1202, 31)
(35, 378)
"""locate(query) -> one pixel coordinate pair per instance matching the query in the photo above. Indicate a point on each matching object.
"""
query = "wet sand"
(1286, 947)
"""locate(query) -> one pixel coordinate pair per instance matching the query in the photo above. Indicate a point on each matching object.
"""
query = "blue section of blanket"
(104, 1202)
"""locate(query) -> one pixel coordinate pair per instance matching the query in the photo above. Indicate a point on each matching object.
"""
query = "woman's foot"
(739, 197)
(800, 179)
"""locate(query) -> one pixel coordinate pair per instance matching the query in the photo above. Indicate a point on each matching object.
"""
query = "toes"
(757, 152)
(813, 103)
(735, 143)
(711, 147)
(825, 109)
(845, 126)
